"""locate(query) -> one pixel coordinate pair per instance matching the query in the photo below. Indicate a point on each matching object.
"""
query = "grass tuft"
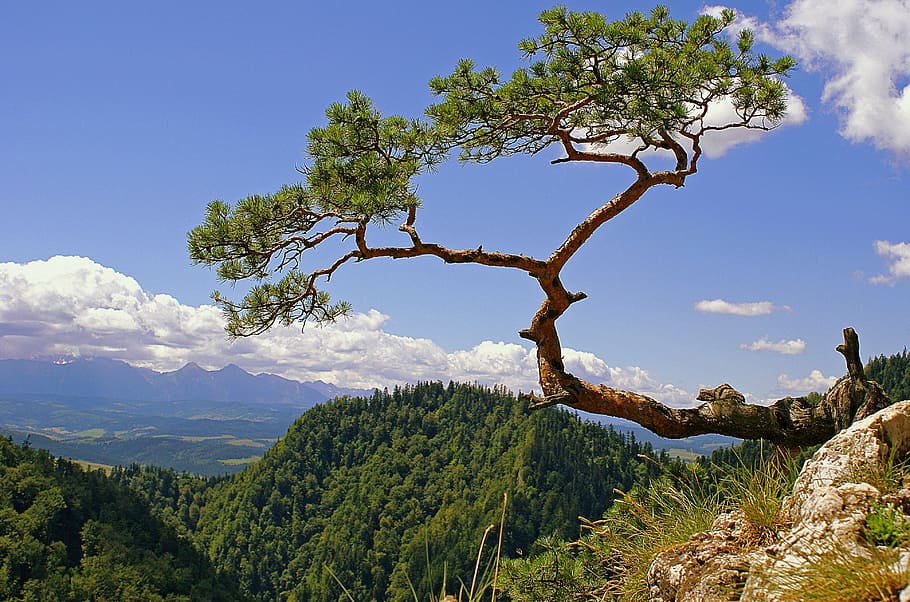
(759, 491)
(842, 575)
(887, 476)
(887, 526)
(645, 525)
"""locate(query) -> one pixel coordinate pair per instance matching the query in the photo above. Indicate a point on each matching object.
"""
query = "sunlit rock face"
(825, 517)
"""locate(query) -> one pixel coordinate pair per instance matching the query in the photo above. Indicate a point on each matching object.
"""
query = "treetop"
(615, 92)
(604, 91)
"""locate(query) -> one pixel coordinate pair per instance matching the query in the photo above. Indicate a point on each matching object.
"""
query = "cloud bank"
(716, 143)
(720, 306)
(898, 256)
(862, 49)
(816, 381)
(786, 347)
(72, 306)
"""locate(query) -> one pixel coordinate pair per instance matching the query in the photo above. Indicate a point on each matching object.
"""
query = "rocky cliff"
(844, 535)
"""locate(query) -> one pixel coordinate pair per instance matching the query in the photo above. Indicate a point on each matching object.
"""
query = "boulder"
(826, 511)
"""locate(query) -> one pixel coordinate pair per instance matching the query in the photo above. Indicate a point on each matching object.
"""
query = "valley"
(205, 422)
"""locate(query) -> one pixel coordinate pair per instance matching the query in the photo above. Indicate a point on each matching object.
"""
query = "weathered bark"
(789, 422)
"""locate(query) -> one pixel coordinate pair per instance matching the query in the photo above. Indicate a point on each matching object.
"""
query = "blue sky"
(119, 122)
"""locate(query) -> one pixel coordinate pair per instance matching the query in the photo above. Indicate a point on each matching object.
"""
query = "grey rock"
(827, 509)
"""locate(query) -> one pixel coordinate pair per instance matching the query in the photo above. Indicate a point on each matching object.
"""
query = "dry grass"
(839, 575)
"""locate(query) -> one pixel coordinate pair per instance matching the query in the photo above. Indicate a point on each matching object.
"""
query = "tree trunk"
(789, 422)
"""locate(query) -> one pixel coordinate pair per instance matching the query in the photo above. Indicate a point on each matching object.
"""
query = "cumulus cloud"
(720, 306)
(862, 48)
(816, 381)
(787, 347)
(72, 306)
(898, 256)
(591, 368)
(716, 143)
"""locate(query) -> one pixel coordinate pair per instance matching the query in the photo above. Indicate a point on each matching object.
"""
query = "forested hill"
(367, 489)
(892, 373)
(67, 534)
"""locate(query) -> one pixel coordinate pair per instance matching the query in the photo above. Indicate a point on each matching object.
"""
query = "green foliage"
(362, 163)
(887, 526)
(394, 492)
(555, 572)
(641, 78)
(175, 498)
(758, 491)
(648, 80)
(67, 534)
(892, 373)
(360, 173)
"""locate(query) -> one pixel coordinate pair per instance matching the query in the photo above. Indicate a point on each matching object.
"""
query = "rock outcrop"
(825, 515)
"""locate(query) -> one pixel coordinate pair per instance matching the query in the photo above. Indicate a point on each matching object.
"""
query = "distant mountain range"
(113, 379)
(204, 421)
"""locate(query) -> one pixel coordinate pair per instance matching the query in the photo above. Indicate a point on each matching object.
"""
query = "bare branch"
(789, 422)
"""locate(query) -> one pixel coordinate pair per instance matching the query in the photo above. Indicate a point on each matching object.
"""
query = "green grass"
(887, 476)
(686, 455)
(641, 526)
(887, 526)
(758, 492)
(198, 439)
(95, 433)
(239, 461)
(245, 443)
(839, 574)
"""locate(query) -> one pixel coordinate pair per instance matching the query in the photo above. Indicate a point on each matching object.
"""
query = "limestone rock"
(708, 567)
(827, 509)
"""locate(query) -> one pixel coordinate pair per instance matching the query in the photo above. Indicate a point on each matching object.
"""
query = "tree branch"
(419, 248)
(789, 422)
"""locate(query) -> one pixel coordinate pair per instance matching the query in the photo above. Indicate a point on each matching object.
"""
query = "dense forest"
(373, 495)
(364, 492)
(892, 373)
(68, 534)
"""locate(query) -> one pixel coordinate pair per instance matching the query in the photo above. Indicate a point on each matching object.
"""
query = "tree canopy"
(630, 92)
(387, 491)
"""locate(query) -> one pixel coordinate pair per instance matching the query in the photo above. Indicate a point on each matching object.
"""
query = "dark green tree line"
(68, 534)
(364, 490)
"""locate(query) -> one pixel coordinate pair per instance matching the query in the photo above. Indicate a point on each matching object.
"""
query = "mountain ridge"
(114, 379)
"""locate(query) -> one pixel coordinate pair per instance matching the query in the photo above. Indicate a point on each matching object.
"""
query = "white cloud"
(72, 306)
(716, 143)
(816, 381)
(787, 347)
(862, 48)
(591, 368)
(898, 254)
(719, 306)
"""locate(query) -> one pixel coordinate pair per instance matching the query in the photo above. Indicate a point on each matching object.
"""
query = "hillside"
(892, 373)
(709, 532)
(367, 489)
(67, 534)
(105, 411)
(377, 494)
